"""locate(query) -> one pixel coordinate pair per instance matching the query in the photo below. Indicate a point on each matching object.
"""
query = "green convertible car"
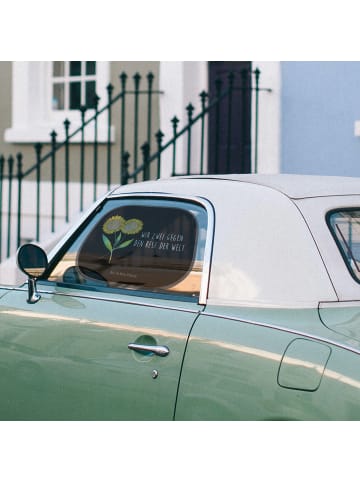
(197, 298)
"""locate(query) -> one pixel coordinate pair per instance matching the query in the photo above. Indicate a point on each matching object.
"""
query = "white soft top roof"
(270, 231)
(295, 186)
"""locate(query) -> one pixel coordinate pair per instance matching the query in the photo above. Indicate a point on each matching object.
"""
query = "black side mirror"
(32, 261)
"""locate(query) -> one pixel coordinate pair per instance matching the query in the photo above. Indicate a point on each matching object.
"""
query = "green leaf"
(126, 243)
(117, 240)
(107, 243)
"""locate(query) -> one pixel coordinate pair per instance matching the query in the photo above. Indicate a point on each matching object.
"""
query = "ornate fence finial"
(137, 79)
(159, 137)
(67, 127)
(190, 109)
(125, 168)
(123, 78)
(53, 135)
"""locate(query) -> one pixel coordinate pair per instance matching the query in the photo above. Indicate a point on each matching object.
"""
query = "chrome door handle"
(155, 349)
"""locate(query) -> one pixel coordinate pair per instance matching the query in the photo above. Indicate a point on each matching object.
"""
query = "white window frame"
(66, 80)
(33, 118)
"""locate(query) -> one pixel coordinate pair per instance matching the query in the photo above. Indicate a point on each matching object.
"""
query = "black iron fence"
(224, 94)
(141, 161)
(60, 164)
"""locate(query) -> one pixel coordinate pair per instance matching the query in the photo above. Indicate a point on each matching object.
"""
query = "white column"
(269, 120)
(181, 83)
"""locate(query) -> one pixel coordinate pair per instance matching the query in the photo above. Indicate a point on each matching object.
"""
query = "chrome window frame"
(204, 203)
(328, 220)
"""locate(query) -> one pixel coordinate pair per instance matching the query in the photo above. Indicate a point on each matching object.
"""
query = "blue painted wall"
(319, 106)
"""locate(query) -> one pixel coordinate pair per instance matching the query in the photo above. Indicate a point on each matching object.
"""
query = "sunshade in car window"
(140, 246)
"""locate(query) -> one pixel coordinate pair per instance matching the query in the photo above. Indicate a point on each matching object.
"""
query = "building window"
(73, 85)
(44, 94)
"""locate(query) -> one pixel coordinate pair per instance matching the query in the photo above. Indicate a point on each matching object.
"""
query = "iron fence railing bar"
(257, 75)
(53, 180)
(125, 168)
(123, 79)
(145, 168)
(137, 79)
(229, 120)
(159, 136)
(110, 89)
(10, 178)
(19, 158)
(190, 109)
(218, 84)
(150, 78)
(2, 162)
(82, 158)
(38, 148)
(203, 97)
(175, 121)
(67, 169)
(244, 79)
(95, 157)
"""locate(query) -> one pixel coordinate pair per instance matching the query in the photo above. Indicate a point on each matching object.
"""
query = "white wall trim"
(269, 134)
(181, 83)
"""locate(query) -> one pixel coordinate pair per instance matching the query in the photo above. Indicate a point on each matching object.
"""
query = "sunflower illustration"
(132, 226)
(118, 226)
(113, 224)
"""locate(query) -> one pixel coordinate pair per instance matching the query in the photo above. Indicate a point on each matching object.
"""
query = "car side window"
(345, 227)
(154, 245)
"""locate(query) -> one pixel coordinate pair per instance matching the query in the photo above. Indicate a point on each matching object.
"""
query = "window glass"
(90, 94)
(152, 245)
(74, 84)
(58, 97)
(58, 69)
(75, 95)
(345, 227)
(90, 68)
(75, 68)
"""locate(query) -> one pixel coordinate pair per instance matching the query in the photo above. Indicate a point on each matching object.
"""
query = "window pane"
(345, 227)
(139, 245)
(75, 68)
(58, 69)
(90, 94)
(75, 95)
(90, 68)
(58, 97)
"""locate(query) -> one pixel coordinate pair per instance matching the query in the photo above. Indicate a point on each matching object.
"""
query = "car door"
(251, 364)
(107, 338)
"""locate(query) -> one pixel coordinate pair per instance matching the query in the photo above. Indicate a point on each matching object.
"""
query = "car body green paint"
(248, 369)
(67, 358)
(268, 330)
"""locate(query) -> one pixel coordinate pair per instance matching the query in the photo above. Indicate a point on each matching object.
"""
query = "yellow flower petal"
(132, 226)
(113, 224)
